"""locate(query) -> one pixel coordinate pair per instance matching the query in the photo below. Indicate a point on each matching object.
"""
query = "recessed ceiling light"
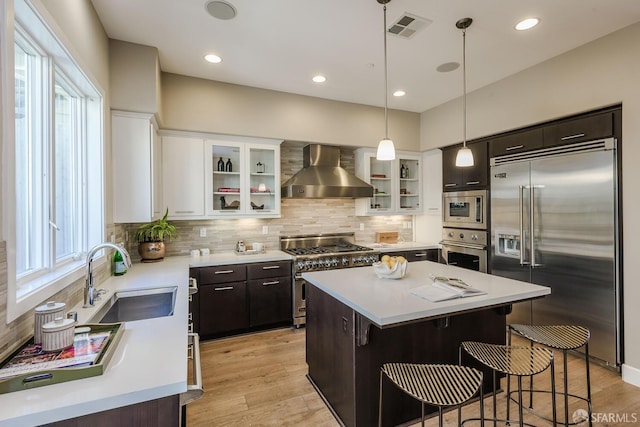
(526, 24)
(399, 93)
(214, 59)
(319, 79)
(221, 9)
(447, 67)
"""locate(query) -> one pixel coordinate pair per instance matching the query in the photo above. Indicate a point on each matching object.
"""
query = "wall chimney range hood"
(322, 177)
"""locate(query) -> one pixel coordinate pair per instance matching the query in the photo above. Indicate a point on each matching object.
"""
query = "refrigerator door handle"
(521, 214)
(532, 199)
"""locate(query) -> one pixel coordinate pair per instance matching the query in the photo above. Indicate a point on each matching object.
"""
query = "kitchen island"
(356, 322)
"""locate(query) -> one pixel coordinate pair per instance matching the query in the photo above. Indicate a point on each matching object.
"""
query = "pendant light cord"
(464, 87)
(386, 117)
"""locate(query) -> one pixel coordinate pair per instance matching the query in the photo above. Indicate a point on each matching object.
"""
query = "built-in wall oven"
(466, 248)
(465, 209)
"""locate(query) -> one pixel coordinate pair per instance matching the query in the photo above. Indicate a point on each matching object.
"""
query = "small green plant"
(156, 231)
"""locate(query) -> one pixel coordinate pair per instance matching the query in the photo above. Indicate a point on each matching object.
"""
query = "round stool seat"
(438, 385)
(561, 337)
(511, 360)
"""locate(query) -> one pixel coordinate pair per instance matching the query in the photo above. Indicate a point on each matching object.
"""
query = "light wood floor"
(259, 380)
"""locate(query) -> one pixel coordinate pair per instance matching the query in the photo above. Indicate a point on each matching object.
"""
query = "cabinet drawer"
(222, 274)
(579, 130)
(265, 270)
(516, 143)
(223, 308)
(422, 255)
(270, 301)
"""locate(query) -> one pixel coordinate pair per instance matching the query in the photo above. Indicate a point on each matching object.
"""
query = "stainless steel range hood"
(322, 177)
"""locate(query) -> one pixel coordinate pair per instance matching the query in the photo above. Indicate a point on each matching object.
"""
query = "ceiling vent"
(407, 25)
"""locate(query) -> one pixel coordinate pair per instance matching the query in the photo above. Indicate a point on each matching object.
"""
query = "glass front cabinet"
(243, 177)
(397, 187)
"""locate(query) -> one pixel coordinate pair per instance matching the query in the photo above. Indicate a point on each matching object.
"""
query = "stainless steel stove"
(321, 252)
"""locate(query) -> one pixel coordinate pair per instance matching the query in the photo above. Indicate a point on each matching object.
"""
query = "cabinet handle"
(273, 282)
(223, 272)
(270, 267)
(183, 212)
(190, 328)
(420, 254)
(473, 182)
(450, 185)
(515, 147)
(225, 288)
(577, 135)
(190, 317)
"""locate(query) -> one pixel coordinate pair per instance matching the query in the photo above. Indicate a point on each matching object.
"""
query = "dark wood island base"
(345, 352)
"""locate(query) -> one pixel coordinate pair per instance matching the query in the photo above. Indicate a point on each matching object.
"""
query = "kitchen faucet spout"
(89, 297)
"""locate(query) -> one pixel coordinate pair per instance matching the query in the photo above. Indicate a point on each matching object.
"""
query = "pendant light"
(386, 150)
(464, 158)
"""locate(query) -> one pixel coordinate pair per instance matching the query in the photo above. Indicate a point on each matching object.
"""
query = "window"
(57, 212)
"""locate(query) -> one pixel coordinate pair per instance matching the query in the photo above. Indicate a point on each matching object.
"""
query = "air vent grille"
(408, 25)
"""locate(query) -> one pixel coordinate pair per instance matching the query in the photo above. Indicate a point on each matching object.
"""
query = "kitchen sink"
(140, 304)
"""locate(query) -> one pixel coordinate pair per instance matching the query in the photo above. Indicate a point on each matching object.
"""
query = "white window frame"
(23, 294)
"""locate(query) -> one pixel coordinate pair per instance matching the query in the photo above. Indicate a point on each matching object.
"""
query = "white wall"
(601, 73)
(208, 106)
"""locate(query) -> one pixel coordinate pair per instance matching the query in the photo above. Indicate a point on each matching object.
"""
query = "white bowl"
(383, 271)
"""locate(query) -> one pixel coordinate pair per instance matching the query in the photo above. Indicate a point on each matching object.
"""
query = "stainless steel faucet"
(88, 288)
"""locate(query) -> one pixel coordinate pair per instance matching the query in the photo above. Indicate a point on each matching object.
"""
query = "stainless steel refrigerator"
(554, 222)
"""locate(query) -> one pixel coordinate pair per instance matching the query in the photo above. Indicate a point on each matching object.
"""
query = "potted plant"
(151, 237)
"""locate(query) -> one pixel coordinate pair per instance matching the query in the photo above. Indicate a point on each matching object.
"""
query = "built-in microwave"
(465, 209)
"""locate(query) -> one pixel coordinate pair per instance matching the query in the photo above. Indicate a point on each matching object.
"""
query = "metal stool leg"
(495, 413)
(553, 391)
(586, 360)
(566, 388)
(380, 402)
(440, 421)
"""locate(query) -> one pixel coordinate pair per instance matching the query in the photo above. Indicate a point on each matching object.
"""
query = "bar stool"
(559, 337)
(436, 385)
(519, 361)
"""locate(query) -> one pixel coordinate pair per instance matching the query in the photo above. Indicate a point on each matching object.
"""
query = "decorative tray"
(30, 367)
(250, 252)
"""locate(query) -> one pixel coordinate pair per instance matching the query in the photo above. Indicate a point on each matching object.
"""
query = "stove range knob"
(326, 262)
(335, 262)
(474, 237)
(345, 261)
(462, 235)
(450, 234)
(307, 264)
(300, 265)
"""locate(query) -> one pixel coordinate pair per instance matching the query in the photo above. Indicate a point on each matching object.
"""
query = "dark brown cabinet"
(416, 255)
(270, 286)
(516, 143)
(223, 299)
(579, 130)
(455, 178)
(240, 297)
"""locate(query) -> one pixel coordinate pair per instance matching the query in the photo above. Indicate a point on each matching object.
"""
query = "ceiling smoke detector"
(221, 9)
(408, 24)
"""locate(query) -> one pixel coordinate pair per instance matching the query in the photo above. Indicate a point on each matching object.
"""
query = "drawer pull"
(420, 254)
(450, 185)
(183, 212)
(223, 271)
(578, 135)
(514, 147)
(270, 267)
(273, 282)
(473, 182)
(225, 288)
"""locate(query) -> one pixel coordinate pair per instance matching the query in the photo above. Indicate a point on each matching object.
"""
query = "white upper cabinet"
(397, 183)
(137, 167)
(183, 166)
(242, 177)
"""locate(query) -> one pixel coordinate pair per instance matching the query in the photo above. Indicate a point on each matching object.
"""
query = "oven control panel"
(461, 235)
(334, 262)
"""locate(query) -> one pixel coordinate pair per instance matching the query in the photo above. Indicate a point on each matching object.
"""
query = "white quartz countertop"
(150, 361)
(387, 302)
